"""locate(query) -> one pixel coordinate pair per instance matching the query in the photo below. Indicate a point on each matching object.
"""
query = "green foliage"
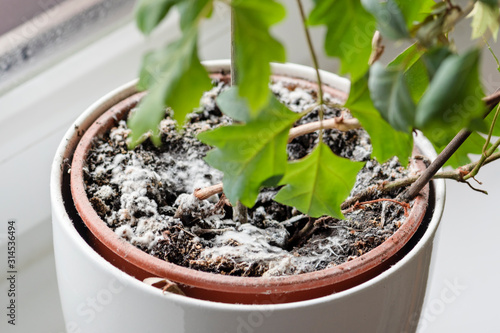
(252, 154)
(255, 47)
(490, 2)
(434, 58)
(415, 11)
(149, 13)
(192, 11)
(426, 87)
(484, 17)
(317, 184)
(177, 79)
(349, 33)
(391, 96)
(174, 74)
(390, 20)
(415, 76)
(453, 99)
(386, 141)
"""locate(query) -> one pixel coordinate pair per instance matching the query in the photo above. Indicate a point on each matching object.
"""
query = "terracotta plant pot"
(383, 289)
(222, 288)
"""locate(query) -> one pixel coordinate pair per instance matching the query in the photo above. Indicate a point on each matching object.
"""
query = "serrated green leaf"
(251, 154)
(386, 141)
(484, 17)
(176, 79)
(256, 47)
(149, 13)
(453, 99)
(350, 29)
(391, 97)
(318, 184)
(390, 20)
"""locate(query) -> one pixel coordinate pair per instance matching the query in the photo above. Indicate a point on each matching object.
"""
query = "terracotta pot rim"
(213, 281)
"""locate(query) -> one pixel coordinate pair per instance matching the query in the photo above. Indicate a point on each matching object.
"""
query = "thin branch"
(445, 155)
(316, 66)
(240, 209)
(207, 192)
(359, 205)
(386, 187)
(339, 123)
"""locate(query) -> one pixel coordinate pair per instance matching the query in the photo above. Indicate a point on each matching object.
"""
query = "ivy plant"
(429, 86)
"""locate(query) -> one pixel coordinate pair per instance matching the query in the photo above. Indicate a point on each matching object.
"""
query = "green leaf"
(144, 121)
(391, 96)
(318, 184)
(453, 99)
(415, 72)
(191, 11)
(415, 11)
(256, 48)
(490, 2)
(231, 104)
(176, 79)
(386, 141)
(390, 20)
(434, 58)
(484, 17)
(350, 29)
(406, 58)
(149, 13)
(250, 154)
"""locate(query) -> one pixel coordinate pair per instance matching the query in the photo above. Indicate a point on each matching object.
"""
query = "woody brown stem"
(445, 155)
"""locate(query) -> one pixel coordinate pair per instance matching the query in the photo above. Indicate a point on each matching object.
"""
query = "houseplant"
(392, 80)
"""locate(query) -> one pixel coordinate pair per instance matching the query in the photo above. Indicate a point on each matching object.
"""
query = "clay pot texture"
(231, 289)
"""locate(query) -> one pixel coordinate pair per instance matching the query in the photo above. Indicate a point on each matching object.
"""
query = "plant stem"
(234, 71)
(492, 53)
(445, 155)
(486, 152)
(316, 66)
(240, 209)
(457, 174)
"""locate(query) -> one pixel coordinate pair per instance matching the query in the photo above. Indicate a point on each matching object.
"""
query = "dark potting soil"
(146, 197)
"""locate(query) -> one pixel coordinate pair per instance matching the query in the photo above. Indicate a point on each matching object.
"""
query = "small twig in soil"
(200, 231)
(339, 123)
(184, 230)
(359, 205)
(207, 192)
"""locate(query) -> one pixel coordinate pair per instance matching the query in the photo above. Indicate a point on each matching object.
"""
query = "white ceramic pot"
(97, 297)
